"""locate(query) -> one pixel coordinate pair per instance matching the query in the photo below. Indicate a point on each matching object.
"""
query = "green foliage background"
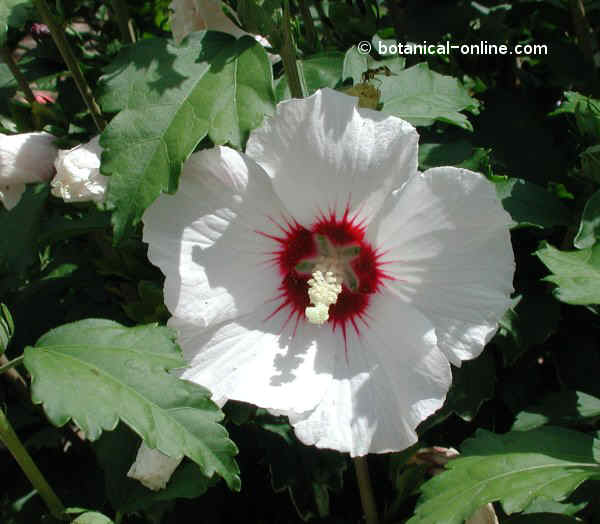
(524, 415)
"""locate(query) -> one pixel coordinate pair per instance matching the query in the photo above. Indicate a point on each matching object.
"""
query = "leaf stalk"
(288, 56)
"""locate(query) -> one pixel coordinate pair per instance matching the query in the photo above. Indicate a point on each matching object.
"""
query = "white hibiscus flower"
(78, 177)
(321, 276)
(24, 158)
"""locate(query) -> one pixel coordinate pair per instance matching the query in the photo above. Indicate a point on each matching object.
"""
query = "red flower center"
(299, 246)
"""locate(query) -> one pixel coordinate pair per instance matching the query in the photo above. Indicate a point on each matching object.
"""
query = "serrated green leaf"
(589, 227)
(119, 373)
(20, 227)
(170, 97)
(422, 97)
(320, 70)
(564, 408)
(13, 13)
(529, 204)
(575, 273)
(514, 468)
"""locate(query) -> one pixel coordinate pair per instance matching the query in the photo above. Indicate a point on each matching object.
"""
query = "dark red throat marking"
(297, 243)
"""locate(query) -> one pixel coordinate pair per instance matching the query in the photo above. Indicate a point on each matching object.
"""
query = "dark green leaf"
(170, 97)
(589, 227)
(13, 13)
(7, 327)
(529, 204)
(564, 408)
(575, 273)
(20, 227)
(122, 372)
(422, 97)
(514, 468)
(529, 322)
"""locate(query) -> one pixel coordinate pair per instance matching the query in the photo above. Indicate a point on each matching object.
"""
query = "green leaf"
(564, 408)
(60, 227)
(529, 204)
(320, 70)
(356, 64)
(422, 97)
(92, 517)
(13, 13)
(514, 468)
(529, 322)
(586, 111)
(20, 227)
(308, 474)
(576, 273)
(170, 97)
(7, 327)
(589, 227)
(120, 373)
(116, 451)
(472, 384)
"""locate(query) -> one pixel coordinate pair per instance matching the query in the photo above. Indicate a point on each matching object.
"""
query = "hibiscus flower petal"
(265, 359)
(326, 155)
(386, 381)
(211, 238)
(446, 244)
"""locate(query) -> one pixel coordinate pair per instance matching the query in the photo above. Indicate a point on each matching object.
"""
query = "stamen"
(323, 290)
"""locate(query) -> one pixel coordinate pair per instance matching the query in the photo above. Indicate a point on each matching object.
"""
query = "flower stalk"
(367, 499)
(16, 72)
(58, 35)
(288, 56)
(18, 451)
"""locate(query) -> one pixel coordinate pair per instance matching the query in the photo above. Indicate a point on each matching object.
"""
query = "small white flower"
(424, 261)
(78, 177)
(152, 468)
(24, 158)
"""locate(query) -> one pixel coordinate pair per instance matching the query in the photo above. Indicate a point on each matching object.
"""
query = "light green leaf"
(565, 407)
(356, 64)
(589, 227)
(529, 204)
(514, 468)
(422, 97)
(576, 273)
(170, 97)
(92, 517)
(320, 70)
(119, 373)
(13, 13)
(20, 227)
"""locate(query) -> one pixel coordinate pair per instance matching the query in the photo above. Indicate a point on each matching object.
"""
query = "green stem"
(58, 35)
(125, 23)
(367, 498)
(18, 451)
(11, 364)
(7, 57)
(309, 25)
(288, 55)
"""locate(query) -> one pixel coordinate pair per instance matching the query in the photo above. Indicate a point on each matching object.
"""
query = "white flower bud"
(152, 468)
(78, 177)
(24, 158)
